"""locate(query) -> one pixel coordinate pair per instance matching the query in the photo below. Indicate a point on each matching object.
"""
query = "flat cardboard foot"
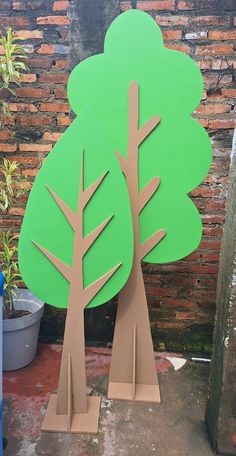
(145, 393)
(80, 423)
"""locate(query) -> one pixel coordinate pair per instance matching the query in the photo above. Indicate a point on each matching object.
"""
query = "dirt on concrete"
(173, 428)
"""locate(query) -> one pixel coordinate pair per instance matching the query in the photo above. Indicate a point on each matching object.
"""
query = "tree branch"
(63, 268)
(91, 237)
(147, 192)
(122, 162)
(151, 242)
(68, 213)
(146, 129)
(96, 286)
(89, 192)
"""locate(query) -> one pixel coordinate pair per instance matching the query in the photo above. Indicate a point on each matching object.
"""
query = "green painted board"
(45, 223)
(178, 151)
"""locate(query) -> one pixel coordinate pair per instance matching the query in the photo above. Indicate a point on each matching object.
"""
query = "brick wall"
(182, 294)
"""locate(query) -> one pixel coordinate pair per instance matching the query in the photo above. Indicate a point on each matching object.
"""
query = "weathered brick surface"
(181, 294)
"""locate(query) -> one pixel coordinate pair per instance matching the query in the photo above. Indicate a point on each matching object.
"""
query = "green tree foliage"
(45, 226)
(178, 150)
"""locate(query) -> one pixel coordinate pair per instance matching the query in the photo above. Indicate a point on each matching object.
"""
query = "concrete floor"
(173, 428)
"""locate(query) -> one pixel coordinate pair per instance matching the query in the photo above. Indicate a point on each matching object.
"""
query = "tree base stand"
(130, 392)
(72, 422)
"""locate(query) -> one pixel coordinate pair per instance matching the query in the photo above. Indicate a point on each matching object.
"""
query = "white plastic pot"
(20, 335)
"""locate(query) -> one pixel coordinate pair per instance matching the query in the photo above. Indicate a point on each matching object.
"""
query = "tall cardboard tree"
(75, 251)
(144, 94)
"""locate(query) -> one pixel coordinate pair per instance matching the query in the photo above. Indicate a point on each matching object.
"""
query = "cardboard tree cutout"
(143, 95)
(75, 251)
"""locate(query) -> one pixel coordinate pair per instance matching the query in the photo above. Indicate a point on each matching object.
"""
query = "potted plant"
(22, 311)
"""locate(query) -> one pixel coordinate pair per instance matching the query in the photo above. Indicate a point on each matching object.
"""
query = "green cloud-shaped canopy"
(178, 151)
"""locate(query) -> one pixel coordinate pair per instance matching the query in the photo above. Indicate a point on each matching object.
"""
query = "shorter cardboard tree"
(75, 251)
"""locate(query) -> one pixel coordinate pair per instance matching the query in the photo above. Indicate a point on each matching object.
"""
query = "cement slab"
(173, 428)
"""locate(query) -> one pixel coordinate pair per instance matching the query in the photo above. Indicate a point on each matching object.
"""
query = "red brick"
(186, 5)
(53, 20)
(233, 439)
(172, 34)
(212, 78)
(28, 34)
(46, 49)
(192, 257)
(26, 160)
(215, 49)
(212, 218)
(172, 20)
(32, 92)
(5, 6)
(57, 78)
(199, 35)
(170, 325)
(168, 5)
(60, 5)
(28, 78)
(215, 205)
(63, 121)
(40, 63)
(6, 135)
(17, 21)
(222, 64)
(161, 291)
(184, 280)
(213, 108)
(55, 107)
(209, 256)
(61, 93)
(21, 107)
(179, 47)
(33, 120)
(209, 20)
(221, 124)
(178, 303)
(7, 147)
(205, 64)
(203, 268)
(124, 6)
(6, 120)
(206, 192)
(64, 33)
(204, 294)
(26, 5)
(30, 172)
(222, 35)
(185, 315)
(229, 93)
(16, 211)
(35, 147)
(51, 136)
(203, 122)
(60, 64)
